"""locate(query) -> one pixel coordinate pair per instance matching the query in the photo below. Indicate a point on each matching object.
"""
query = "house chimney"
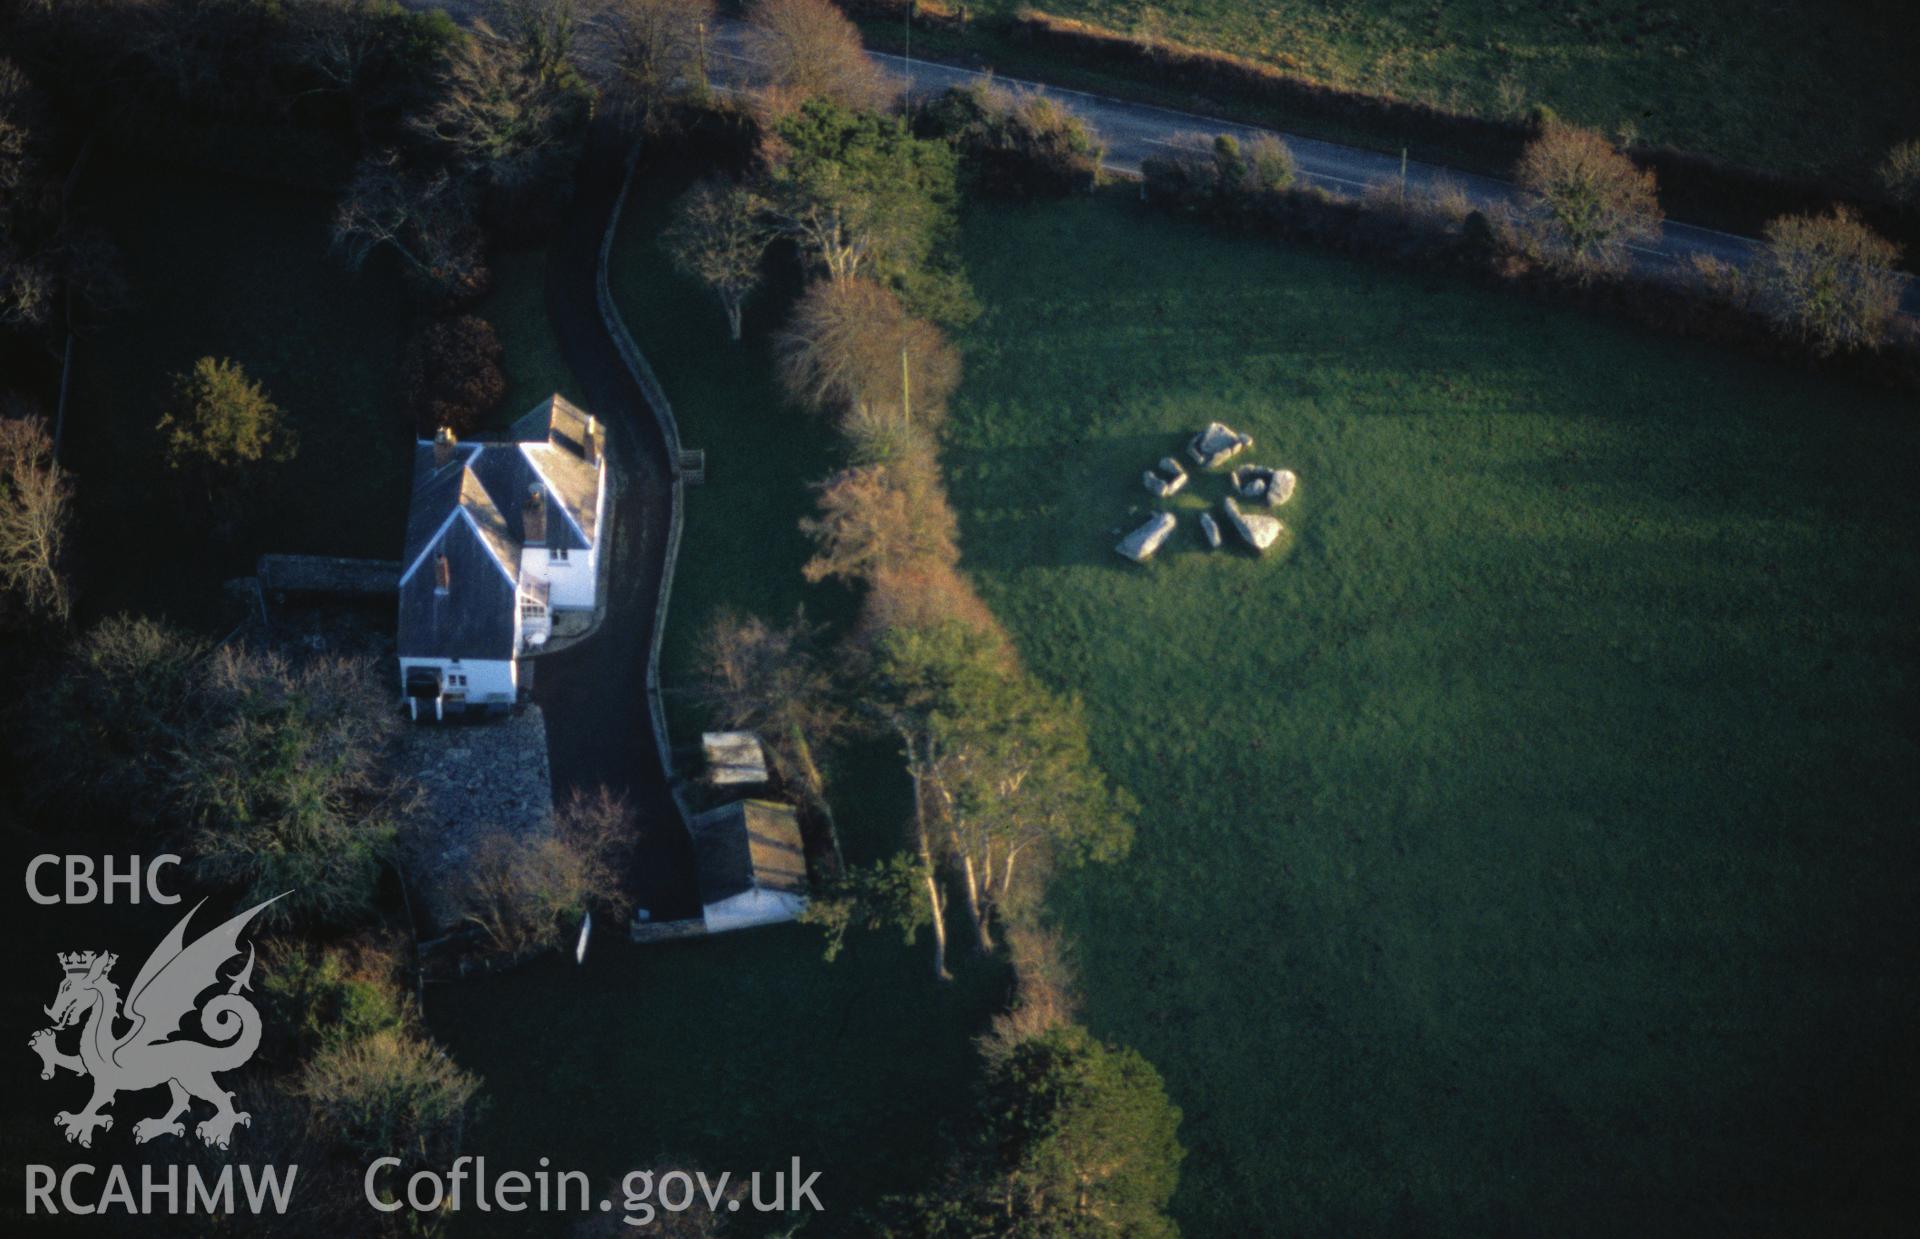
(592, 446)
(442, 573)
(443, 444)
(533, 517)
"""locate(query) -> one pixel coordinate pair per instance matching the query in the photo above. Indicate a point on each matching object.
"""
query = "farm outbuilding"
(752, 864)
(734, 758)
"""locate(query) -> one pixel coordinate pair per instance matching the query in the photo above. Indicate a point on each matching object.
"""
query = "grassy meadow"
(516, 305)
(1527, 842)
(231, 268)
(1797, 86)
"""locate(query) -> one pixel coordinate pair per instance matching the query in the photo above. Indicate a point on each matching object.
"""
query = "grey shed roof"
(746, 845)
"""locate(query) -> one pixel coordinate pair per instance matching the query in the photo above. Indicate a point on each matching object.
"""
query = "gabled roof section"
(506, 473)
(487, 519)
(748, 845)
(436, 493)
(449, 494)
(555, 420)
(572, 483)
(475, 617)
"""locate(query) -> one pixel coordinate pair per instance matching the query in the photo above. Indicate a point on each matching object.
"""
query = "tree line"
(1071, 1134)
(1824, 282)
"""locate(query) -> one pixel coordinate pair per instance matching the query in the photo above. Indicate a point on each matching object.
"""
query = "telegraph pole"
(906, 386)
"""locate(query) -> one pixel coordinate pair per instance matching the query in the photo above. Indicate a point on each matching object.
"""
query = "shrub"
(1185, 178)
(876, 519)
(1442, 206)
(282, 785)
(99, 733)
(1592, 202)
(222, 420)
(1220, 175)
(320, 997)
(1082, 1136)
(1017, 145)
(1900, 173)
(452, 375)
(1828, 280)
(526, 892)
(807, 49)
(388, 1091)
(1270, 164)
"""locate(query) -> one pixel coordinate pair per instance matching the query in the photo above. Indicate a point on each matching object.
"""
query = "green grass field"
(740, 1052)
(1798, 86)
(233, 269)
(517, 308)
(1527, 848)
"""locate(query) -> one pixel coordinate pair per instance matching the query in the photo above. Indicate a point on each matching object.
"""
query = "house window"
(558, 555)
(456, 680)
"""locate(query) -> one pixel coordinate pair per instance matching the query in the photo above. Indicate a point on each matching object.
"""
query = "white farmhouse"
(499, 537)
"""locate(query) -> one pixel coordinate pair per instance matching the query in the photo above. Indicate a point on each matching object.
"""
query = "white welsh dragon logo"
(161, 996)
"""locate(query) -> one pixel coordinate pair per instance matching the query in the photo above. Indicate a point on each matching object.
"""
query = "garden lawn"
(1799, 86)
(739, 1052)
(230, 268)
(517, 308)
(1527, 843)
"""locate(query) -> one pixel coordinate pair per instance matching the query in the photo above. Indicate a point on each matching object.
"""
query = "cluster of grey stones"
(1210, 449)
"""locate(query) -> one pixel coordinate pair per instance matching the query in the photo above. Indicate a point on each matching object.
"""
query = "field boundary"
(656, 398)
(1696, 187)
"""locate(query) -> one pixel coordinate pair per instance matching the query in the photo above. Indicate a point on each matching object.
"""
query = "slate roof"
(475, 617)
(554, 420)
(747, 844)
(472, 509)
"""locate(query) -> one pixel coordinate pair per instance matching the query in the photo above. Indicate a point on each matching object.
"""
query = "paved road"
(599, 730)
(1134, 131)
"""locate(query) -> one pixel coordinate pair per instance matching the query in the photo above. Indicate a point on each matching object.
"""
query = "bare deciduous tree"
(341, 41)
(772, 680)
(719, 236)
(20, 119)
(1829, 280)
(544, 32)
(36, 509)
(1592, 201)
(873, 518)
(28, 287)
(497, 113)
(424, 218)
(1899, 172)
(1044, 994)
(852, 347)
(656, 51)
(524, 891)
(807, 49)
